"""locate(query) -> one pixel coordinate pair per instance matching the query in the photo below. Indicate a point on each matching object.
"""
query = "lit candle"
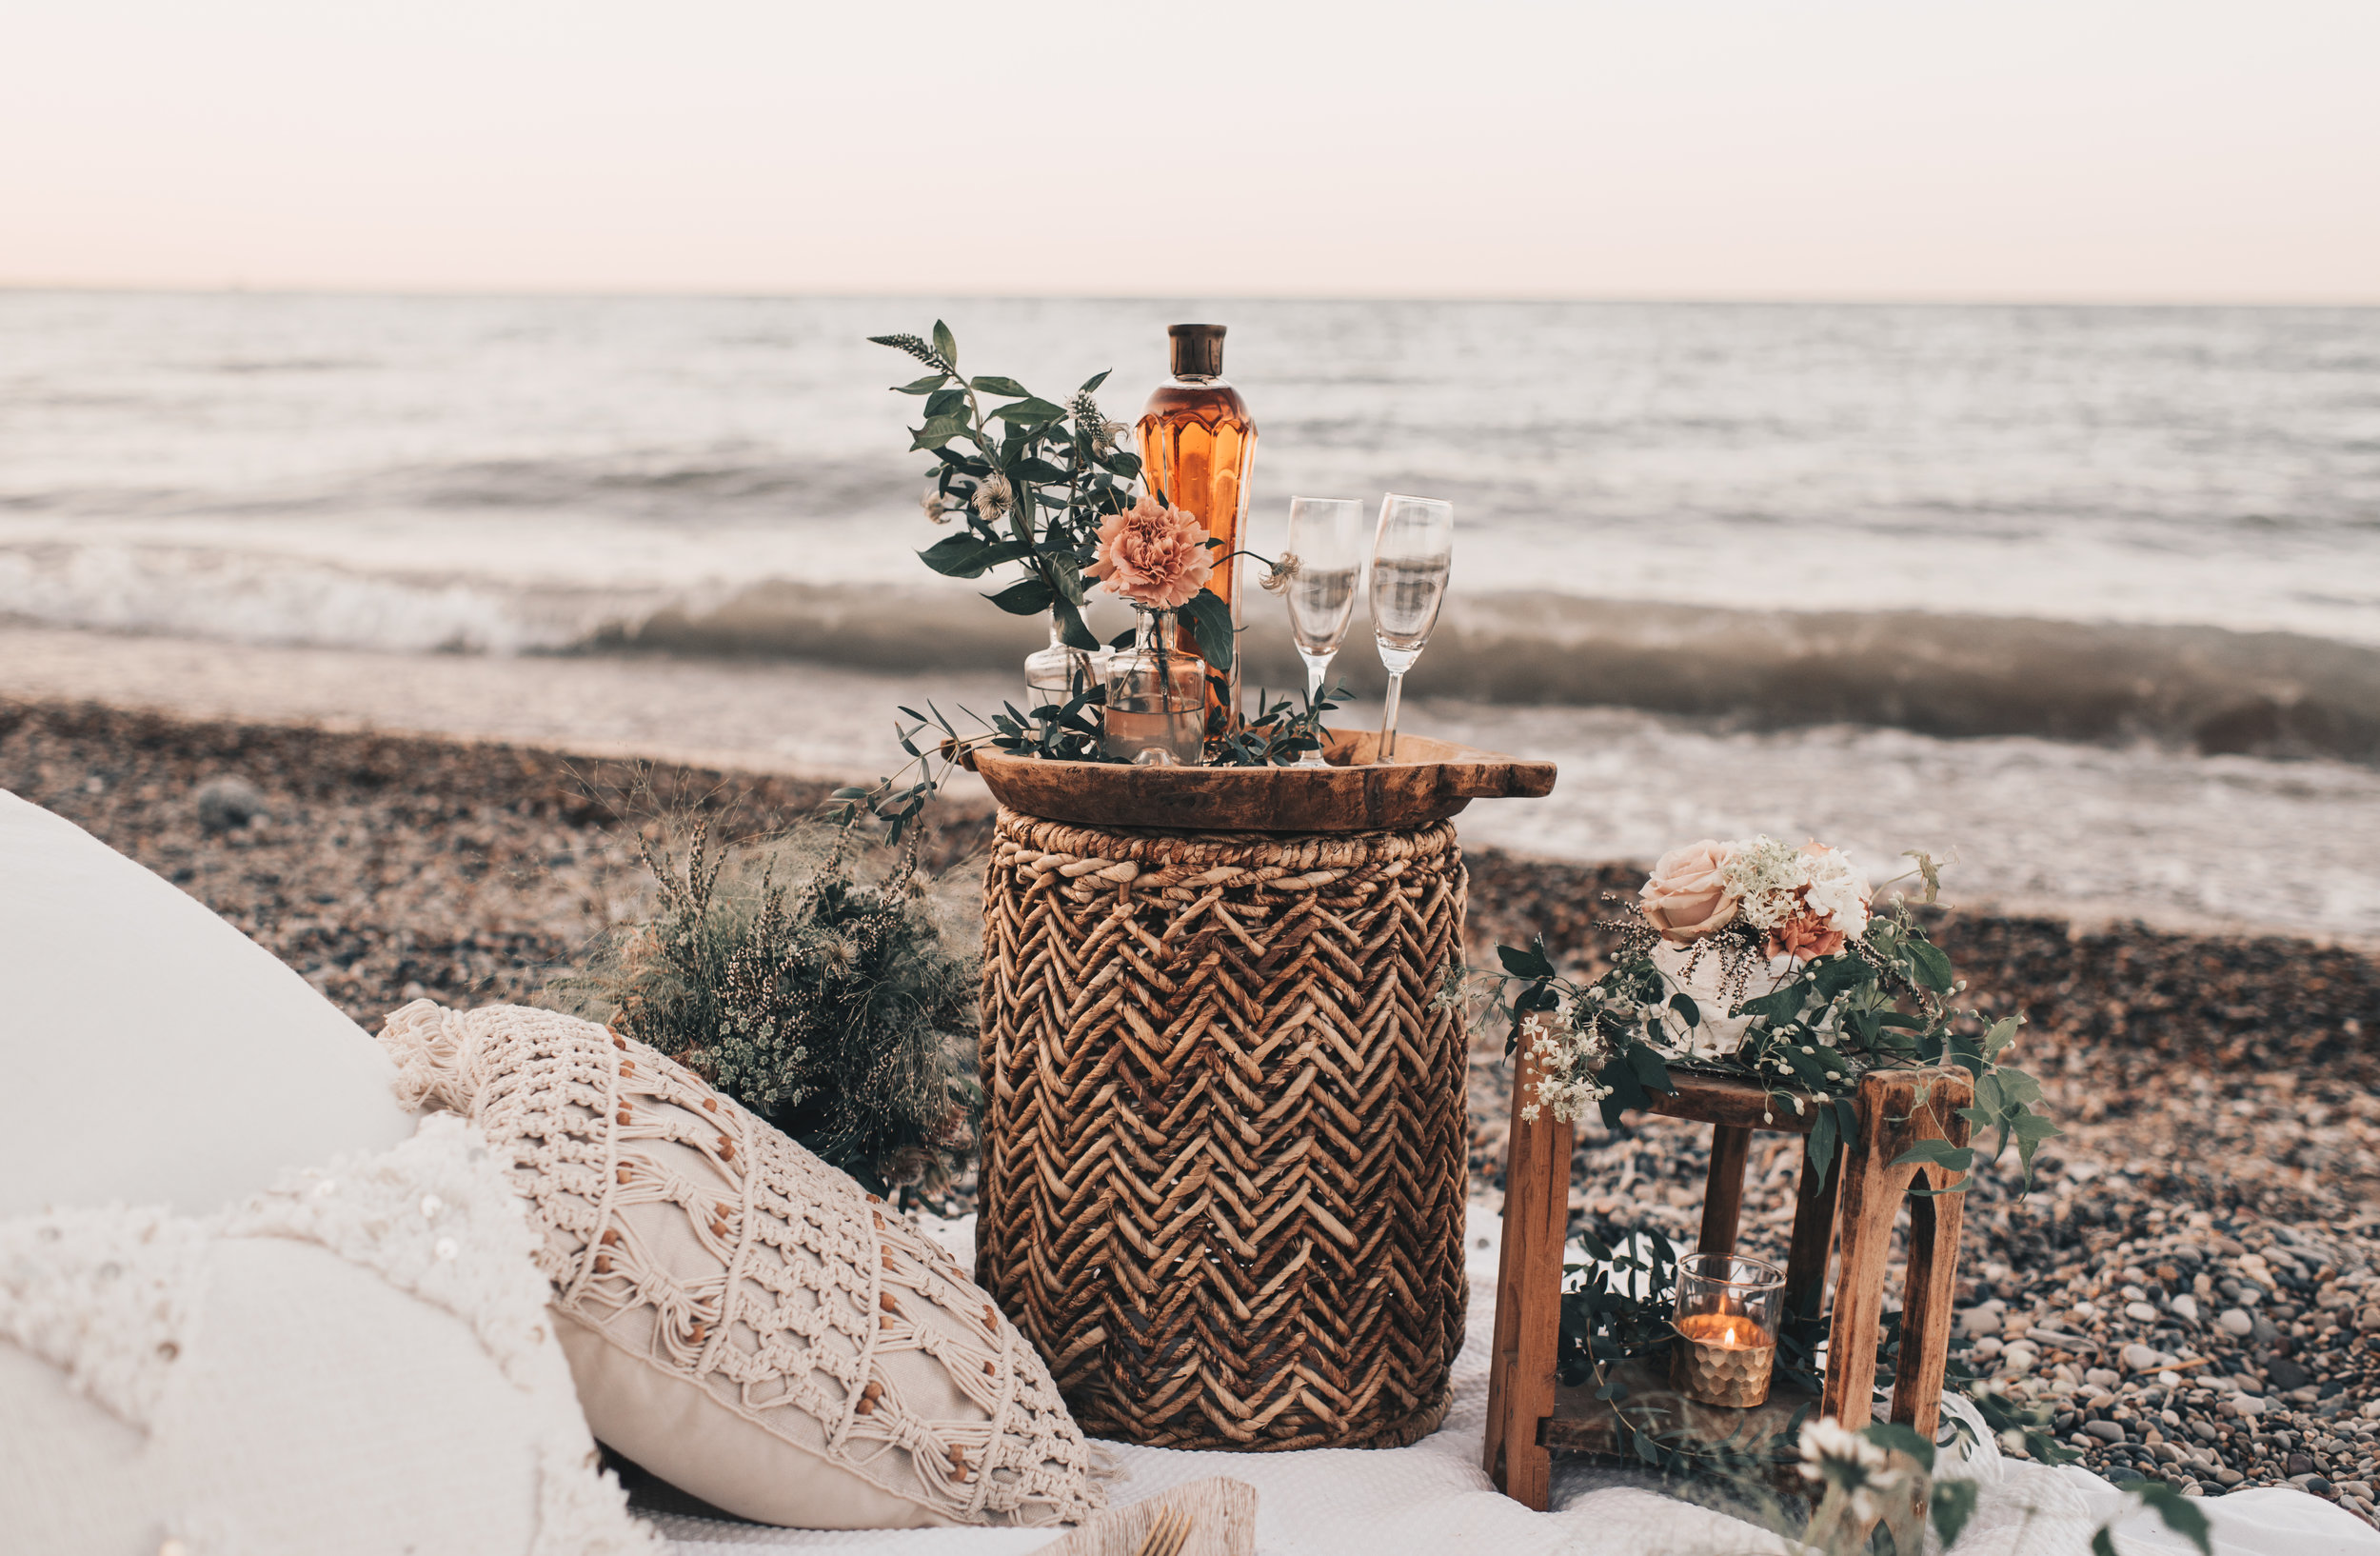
(1728, 1330)
(1726, 1319)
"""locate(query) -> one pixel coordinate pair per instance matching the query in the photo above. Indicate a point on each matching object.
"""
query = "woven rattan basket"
(1223, 1158)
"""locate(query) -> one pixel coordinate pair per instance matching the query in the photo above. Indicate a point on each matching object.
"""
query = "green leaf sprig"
(1030, 478)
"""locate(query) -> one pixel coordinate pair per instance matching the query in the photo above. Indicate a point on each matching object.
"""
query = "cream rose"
(1688, 895)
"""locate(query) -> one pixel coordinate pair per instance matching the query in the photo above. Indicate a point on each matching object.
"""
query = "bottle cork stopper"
(1197, 350)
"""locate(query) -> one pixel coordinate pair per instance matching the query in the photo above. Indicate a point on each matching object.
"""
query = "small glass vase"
(1051, 673)
(1155, 713)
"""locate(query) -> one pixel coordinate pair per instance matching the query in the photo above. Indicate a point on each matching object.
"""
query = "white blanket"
(1432, 1499)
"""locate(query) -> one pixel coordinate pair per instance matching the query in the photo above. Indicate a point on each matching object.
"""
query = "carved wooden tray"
(1429, 781)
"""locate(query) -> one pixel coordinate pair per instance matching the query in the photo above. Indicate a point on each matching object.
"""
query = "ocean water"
(2146, 538)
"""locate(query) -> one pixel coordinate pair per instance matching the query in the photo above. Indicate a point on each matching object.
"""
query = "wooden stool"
(1529, 1416)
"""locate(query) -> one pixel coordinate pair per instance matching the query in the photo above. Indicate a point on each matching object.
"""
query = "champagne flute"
(1412, 552)
(1326, 537)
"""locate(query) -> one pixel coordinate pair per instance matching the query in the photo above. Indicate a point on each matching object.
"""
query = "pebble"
(2141, 1358)
(227, 803)
(2213, 1093)
(2106, 1432)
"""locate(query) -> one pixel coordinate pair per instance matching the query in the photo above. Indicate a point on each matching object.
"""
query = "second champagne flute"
(1326, 537)
(1412, 552)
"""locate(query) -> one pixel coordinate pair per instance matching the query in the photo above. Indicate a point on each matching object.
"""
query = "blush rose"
(1688, 895)
(1805, 936)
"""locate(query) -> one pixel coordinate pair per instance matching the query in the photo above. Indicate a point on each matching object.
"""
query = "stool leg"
(1870, 1195)
(1813, 1240)
(1528, 1300)
(1723, 1191)
(1926, 1308)
(1934, 1228)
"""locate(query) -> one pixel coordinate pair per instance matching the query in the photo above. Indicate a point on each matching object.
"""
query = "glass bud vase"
(1051, 673)
(1155, 713)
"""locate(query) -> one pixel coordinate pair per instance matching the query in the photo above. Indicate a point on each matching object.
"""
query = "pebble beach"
(2191, 1283)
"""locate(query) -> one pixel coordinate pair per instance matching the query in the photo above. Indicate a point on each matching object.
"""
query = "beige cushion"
(213, 1065)
(359, 1363)
(743, 1321)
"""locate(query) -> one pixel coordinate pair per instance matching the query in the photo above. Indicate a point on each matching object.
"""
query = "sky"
(1940, 149)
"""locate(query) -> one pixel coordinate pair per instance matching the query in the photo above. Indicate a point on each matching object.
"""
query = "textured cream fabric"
(212, 1065)
(741, 1319)
(358, 1362)
(1432, 1499)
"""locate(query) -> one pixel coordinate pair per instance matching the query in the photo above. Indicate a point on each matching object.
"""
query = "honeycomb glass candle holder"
(1728, 1309)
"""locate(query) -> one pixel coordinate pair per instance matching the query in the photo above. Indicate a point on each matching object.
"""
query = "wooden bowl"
(1429, 781)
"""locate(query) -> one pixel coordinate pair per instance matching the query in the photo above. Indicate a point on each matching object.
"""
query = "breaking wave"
(2203, 687)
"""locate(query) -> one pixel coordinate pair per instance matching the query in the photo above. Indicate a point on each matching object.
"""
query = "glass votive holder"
(1728, 1310)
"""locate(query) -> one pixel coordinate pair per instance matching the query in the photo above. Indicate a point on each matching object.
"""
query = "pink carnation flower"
(1152, 555)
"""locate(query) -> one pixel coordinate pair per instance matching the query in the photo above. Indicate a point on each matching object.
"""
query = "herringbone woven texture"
(1224, 1166)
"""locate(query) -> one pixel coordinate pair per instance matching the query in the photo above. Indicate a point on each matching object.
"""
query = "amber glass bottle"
(1197, 446)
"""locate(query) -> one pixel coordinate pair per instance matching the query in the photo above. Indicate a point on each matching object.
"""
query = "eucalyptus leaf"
(1532, 963)
(992, 384)
(1819, 1144)
(946, 344)
(1939, 1154)
(957, 556)
(1071, 627)
(1951, 1503)
(1027, 597)
(1210, 621)
(1929, 966)
(1030, 411)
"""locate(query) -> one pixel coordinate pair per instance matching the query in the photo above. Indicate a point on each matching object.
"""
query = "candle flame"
(1730, 1331)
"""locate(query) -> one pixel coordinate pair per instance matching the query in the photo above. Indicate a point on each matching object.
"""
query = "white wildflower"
(1278, 580)
(932, 503)
(1836, 891)
(1092, 423)
(1848, 1461)
(1826, 1440)
(993, 495)
(1768, 875)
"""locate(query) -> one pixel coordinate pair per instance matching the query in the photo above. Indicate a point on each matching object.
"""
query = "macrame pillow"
(743, 1321)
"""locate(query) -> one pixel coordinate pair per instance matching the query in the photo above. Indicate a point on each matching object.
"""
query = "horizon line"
(727, 293)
